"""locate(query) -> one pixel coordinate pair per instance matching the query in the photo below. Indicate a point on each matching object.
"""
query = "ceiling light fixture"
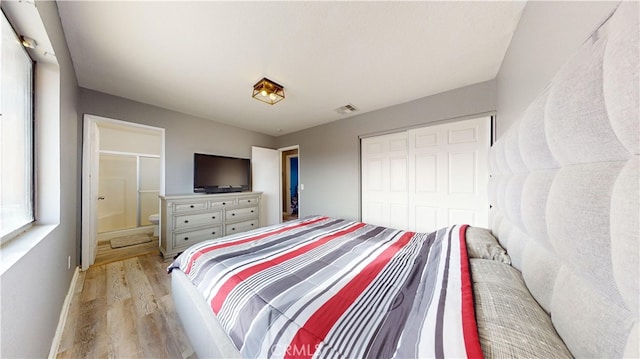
(268, 91)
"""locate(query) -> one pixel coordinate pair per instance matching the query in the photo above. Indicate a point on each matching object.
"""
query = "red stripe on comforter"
(199, 253)
(469, 324)
(234, 280)
(318, 325)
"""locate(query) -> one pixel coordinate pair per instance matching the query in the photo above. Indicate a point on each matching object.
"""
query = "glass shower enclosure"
(129, 185)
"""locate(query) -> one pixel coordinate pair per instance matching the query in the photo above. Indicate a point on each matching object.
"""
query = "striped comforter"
(328, 287)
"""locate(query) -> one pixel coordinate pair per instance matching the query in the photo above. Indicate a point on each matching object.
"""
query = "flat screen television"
(219, 174)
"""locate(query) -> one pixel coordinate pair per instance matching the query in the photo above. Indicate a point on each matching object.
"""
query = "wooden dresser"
(189, 219)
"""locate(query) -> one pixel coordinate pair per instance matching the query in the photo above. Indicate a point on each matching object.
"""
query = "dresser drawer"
(222, 202)
(247, 201)
(186, 239)
(190, 220)
(193, 206)
(241, 226)
(241, 212)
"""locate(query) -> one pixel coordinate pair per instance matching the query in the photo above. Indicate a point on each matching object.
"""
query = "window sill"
(16, 248)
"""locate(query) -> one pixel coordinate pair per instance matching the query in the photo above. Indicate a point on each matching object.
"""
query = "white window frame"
(28, 159)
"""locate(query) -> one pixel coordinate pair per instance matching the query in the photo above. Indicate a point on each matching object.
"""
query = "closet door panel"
(384, 180)
(427, 178)
(459, 168)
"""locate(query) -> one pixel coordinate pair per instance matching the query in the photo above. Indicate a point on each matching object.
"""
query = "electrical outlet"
(69, 262)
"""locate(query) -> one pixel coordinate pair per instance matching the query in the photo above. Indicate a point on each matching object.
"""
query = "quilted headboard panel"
(565, 193)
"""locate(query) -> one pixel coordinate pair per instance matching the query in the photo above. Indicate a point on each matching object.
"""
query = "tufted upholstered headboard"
(565, 193)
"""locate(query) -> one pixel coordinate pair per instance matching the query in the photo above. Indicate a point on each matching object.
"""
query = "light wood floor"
(124, 309)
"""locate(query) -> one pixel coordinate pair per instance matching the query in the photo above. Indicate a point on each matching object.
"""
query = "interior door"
(427, 178)
(90, 179)
(265, 178)
(448, 175)
(384, 180)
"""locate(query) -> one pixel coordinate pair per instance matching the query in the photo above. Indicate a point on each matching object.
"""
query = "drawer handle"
(223, 203)
(233, 214)
(186, 221)
(213, 217)
(233, 228)
(191, 206)
(213, 232)
(249, 201)
(251, 224)
(251, 211)
(186, 238)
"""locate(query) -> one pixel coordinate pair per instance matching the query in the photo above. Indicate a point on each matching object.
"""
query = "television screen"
(219, 174)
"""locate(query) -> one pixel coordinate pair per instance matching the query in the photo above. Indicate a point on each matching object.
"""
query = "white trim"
(64, 313)
(427, 124)
(284, 149)
(287, 160)
(87, 236)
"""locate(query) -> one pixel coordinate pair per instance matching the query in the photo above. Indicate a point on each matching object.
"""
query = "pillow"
(510, 322)
(483, 245)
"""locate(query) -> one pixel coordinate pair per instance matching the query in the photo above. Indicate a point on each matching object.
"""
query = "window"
(16, 134)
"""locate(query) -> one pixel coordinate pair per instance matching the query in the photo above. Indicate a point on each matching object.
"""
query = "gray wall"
(33, 290)
(184, 135)
(330, 154)
(548, 34)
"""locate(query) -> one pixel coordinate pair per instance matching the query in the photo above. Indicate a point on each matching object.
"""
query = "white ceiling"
(203, 57)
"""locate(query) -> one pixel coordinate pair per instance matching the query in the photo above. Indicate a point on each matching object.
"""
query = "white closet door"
(448, 175)
(384, 180)
(427, 178)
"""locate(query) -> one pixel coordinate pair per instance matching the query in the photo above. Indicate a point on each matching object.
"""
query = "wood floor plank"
(92, 323)
(157, 275)
(174, 326)
(117, 286)
(124, 309)
(140, 288)
(94, 284)
(123, 335)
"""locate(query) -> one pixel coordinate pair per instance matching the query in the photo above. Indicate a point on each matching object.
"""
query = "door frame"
(285, 195)
(89, 204)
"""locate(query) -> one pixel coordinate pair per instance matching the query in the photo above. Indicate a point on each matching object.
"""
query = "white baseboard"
(55, 345)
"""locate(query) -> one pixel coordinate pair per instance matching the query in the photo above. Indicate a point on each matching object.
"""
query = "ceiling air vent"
(346, 110)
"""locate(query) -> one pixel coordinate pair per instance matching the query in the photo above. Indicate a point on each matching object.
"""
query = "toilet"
(155, 219)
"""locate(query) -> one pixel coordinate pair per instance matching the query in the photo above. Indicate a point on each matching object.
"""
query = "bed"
(555, 275)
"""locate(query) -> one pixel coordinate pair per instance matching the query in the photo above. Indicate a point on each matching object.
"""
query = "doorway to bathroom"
(123, 175)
